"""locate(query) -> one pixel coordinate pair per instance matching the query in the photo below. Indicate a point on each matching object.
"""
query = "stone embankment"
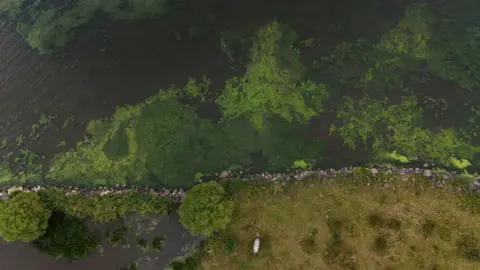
(438, 178)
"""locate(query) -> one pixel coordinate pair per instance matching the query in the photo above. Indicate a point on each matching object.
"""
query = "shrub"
(119, 236)
(205, 209)
(157, 243)
(78, 205)
(67, 237)
(469, 247)
(142, 243)
(23, 217)
(231, 245)
(188, 264)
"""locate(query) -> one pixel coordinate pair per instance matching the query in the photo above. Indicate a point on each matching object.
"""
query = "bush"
(23, 217)
(157, 243)
(231, 245)
(188, 264)
(119, 236)
(67, 237)
(205, 209)
(105, 208)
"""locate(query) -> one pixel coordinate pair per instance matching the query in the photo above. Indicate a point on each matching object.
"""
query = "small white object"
(256, 244)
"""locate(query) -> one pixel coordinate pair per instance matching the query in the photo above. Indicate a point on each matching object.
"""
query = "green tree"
(23, 217)
(67, 237)
(274, 83)
(205, 209)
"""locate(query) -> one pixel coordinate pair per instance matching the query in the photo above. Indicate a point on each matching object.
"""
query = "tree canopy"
(67, 237)
(23, 217)
(206, 209)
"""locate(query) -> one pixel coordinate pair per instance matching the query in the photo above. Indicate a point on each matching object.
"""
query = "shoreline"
(438, 178)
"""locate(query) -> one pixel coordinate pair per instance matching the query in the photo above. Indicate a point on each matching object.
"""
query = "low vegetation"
(346, 224)
(56, 222)
(105, 208)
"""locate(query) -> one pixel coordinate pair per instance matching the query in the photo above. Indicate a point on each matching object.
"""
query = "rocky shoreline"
(438, 178)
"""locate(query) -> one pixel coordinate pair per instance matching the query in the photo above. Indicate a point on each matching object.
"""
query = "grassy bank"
(360, 223)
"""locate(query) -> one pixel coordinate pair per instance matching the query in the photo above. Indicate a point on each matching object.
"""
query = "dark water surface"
(23, 256)
(90, 82)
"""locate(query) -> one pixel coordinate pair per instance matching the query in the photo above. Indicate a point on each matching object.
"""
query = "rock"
(427, 173)
(224, 174)
(258, 177)
(374, 171)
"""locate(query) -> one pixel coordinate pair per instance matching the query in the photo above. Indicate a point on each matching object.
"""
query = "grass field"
(325, 225)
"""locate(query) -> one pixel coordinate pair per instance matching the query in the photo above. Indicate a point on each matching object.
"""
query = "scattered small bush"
(231, 246)
(381, 243)
(131, 266)
(118, 237)
(190, 263)
(142, 243)
(469, 247)
(157, 243)
(309, 244)
(339, 253)
(375, 220)
(471, 202)
(428, 228)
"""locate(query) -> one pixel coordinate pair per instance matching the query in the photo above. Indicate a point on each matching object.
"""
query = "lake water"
(88, 83)
(21, 256)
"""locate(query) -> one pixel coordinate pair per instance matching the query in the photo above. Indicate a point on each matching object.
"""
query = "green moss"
(117, 147)
(274, 82)
(397, 128)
